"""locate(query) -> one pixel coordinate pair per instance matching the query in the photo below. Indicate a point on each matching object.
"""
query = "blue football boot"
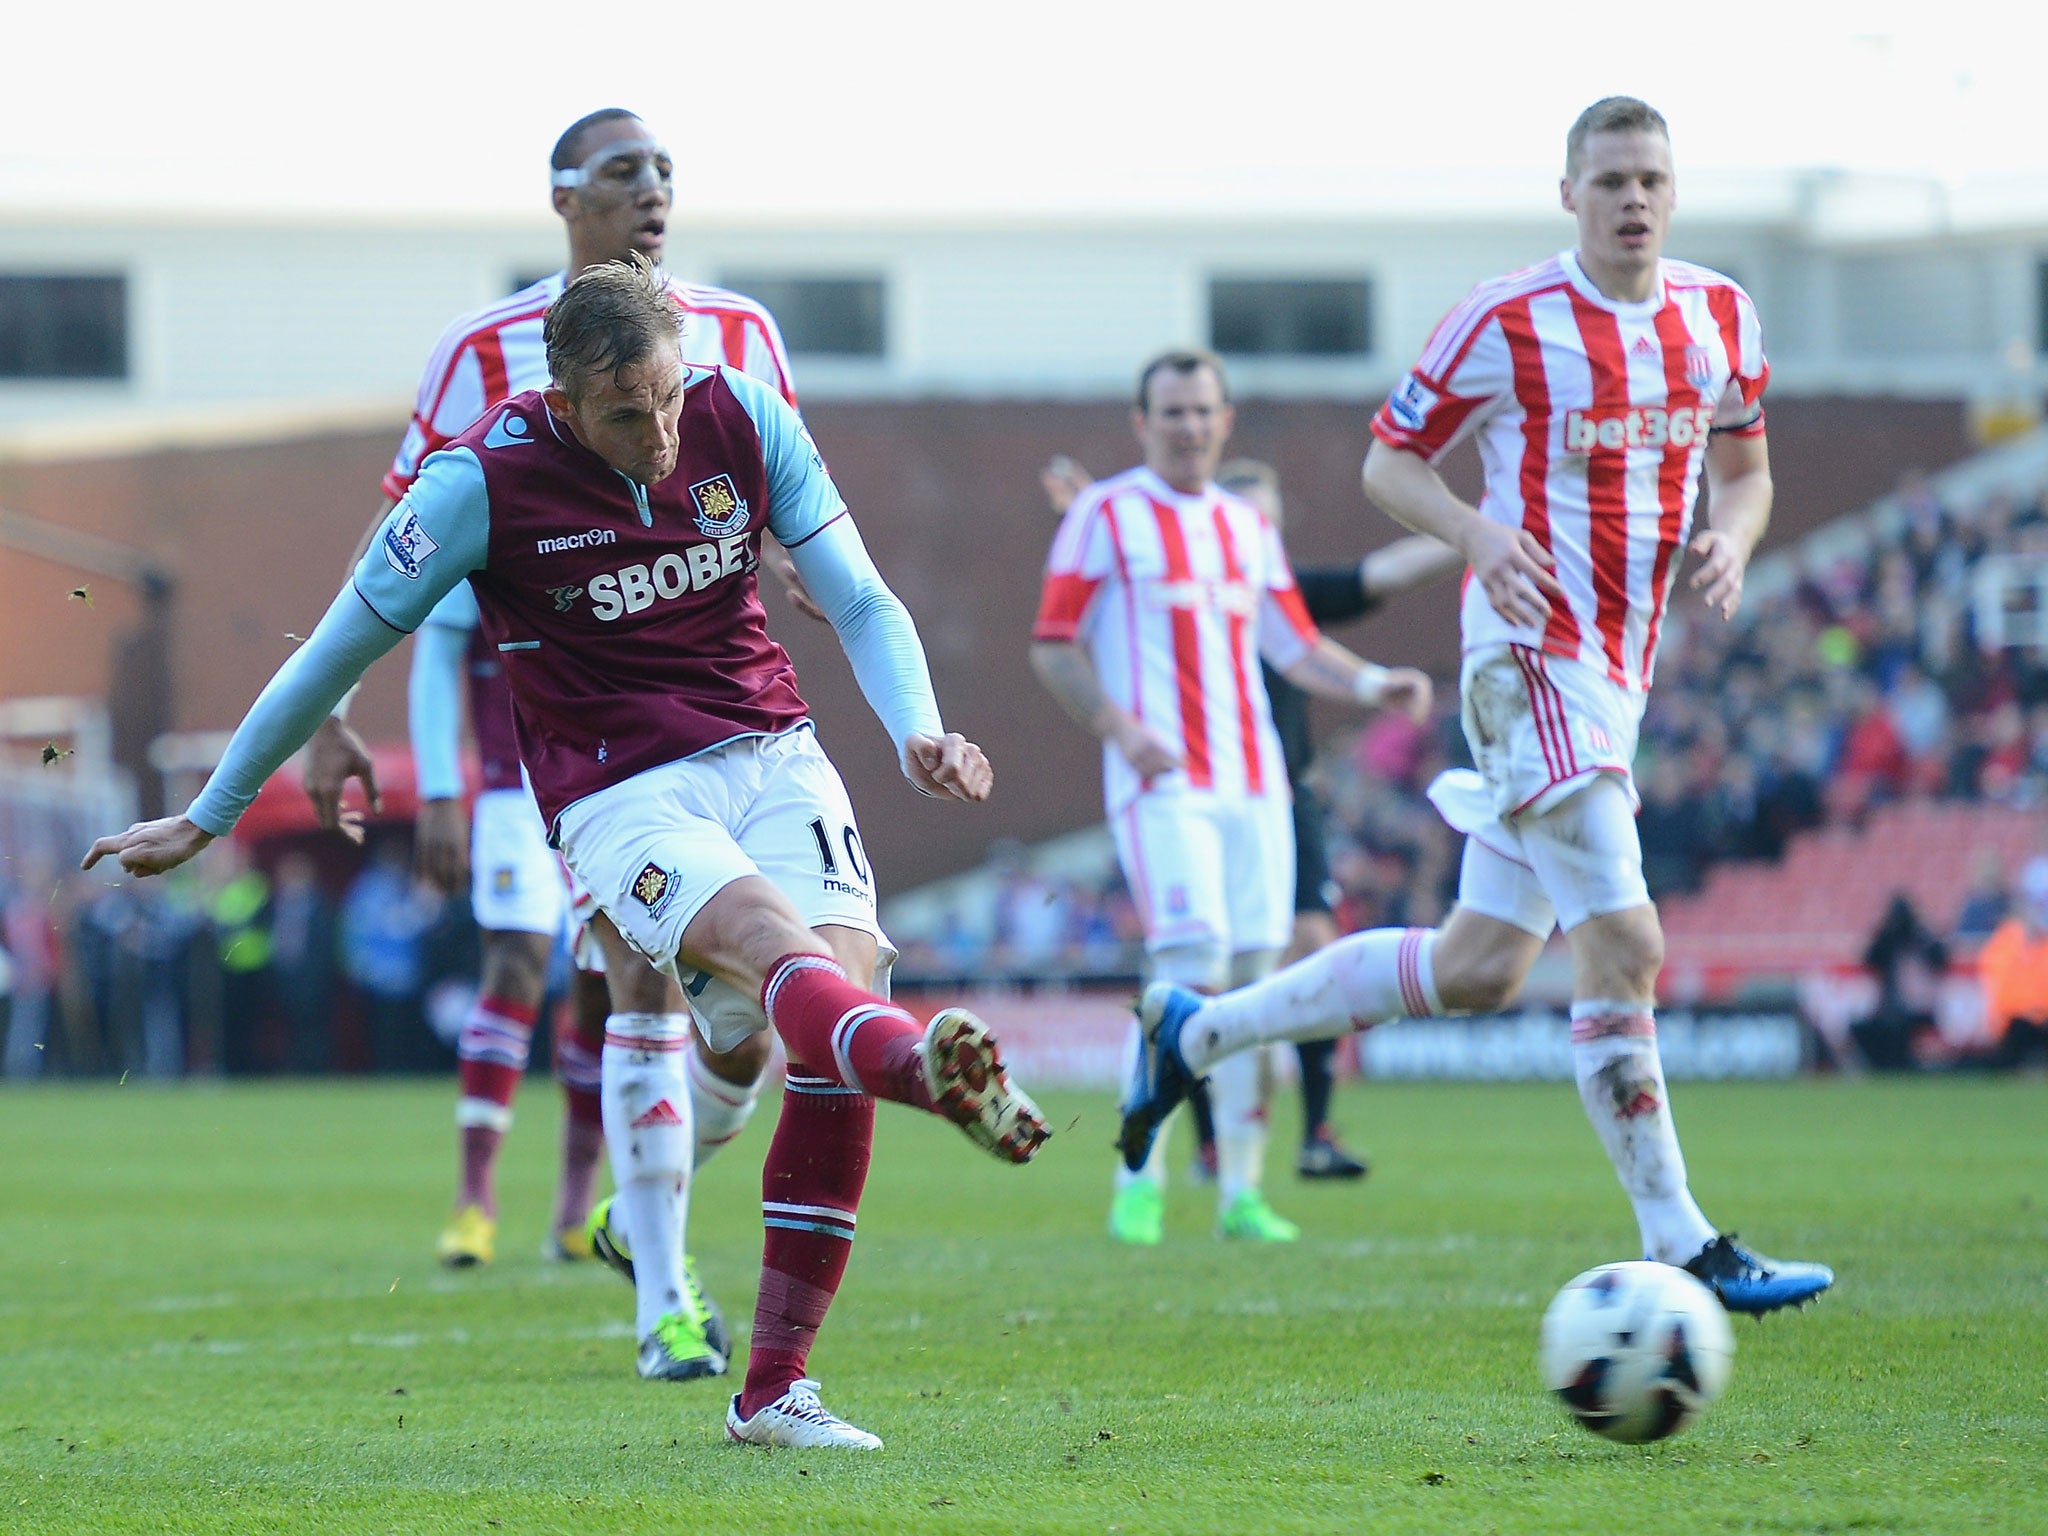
(1160, 1079)
(1749, 1282)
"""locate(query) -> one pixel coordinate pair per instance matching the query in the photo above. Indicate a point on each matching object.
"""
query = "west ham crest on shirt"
(1699, 367)
(721, 511)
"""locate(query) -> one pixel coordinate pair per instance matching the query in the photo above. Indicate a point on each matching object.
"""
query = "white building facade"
(1865, 287)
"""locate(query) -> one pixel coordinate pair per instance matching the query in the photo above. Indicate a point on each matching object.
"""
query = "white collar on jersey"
(1576, 276)
(1166, 492)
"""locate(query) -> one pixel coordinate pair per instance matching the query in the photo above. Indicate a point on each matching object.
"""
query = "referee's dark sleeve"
(1334, 594)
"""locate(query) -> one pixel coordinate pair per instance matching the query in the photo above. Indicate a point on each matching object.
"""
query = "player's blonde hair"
(611, 317)
(1611, 114)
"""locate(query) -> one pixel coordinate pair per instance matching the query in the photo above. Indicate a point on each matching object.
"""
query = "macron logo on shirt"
(508, 431)
(588, 540)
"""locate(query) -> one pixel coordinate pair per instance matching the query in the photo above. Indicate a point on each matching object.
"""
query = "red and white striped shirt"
(1592, 419)
(496, 352)
(1175, 598)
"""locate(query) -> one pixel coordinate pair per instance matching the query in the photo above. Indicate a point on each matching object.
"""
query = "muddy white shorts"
(1543, 729)
(1542, 726)
(1209, 869)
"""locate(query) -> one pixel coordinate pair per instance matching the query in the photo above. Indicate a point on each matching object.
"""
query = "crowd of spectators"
(228, 967)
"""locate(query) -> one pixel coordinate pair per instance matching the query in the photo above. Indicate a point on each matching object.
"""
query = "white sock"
(1237, 1104)
(1353, 984)
(1621, 1083)
(647, 1120)
(720, 1110)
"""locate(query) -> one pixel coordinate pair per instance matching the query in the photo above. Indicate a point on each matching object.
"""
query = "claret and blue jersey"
(627, 617)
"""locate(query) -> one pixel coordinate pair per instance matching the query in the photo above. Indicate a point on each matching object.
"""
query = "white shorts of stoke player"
(1208, 869)
(1541, 728)
(516, 881)
(653, 850)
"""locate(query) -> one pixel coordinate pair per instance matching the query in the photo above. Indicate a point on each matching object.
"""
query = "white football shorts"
(654, 849)
(516, 880)
(724, 1014)
(1209, 869)
(1542, 726)
(1542, 729)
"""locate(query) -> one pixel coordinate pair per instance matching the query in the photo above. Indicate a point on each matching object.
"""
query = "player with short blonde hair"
(1599, 386)
(676, 766)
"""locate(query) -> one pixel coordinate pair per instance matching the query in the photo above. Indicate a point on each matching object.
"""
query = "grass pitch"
(219, 1313)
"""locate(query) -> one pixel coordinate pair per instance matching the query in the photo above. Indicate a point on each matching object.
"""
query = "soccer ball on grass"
(1636, 1351)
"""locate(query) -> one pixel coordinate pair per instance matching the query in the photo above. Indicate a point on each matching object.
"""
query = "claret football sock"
(845, 1031)
(1353, 984)
(1621, 1083)
(647, 1127)
(811, 1184)
(490, 1059)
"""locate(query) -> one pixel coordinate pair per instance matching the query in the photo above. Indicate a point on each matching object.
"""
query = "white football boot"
(797, 1420)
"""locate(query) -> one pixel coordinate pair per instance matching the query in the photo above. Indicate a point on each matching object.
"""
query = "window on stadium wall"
(821, 316)
(1290, 317)
(63, 326)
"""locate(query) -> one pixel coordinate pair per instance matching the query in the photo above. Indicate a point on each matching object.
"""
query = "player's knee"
(639, 988)
(743, 1064)
(1633, 947)
(1478, 963)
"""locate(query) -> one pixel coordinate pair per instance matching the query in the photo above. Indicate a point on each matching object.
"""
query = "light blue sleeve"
(438, 533)
(801, 496)
(458, 609)
(874, 628)
(297, 699)
(433, 704)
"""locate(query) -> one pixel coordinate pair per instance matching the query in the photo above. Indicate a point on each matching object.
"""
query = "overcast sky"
(890, 107)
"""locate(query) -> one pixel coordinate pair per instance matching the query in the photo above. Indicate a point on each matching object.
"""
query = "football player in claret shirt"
(612, 187)
(609, 527)
(1162, 592)
(1599, 385)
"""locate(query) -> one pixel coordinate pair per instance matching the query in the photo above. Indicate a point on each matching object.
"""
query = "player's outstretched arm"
(305, 688)
(1739, 491)
(1512, 568)
(150, 847)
